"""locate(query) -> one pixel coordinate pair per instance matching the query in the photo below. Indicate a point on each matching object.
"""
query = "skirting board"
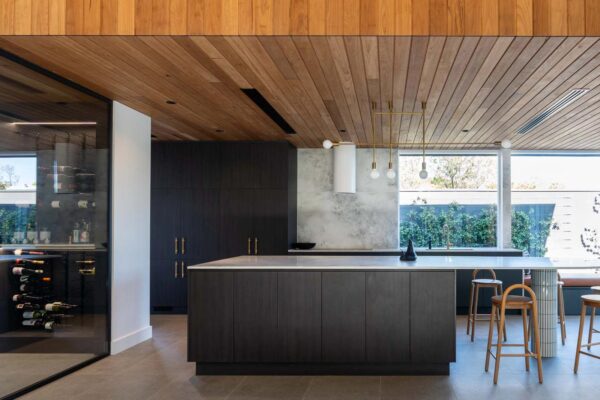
(321, 369)
(130, 340)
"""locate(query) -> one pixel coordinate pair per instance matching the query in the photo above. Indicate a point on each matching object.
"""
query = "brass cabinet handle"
(182, 245)
(176, 245)
(175, 269)
(255, 245)
(183, 269)
(249, 246)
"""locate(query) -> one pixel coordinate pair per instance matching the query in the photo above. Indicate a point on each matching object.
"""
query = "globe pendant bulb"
(391, 174)
(327, 144)
(374, 173)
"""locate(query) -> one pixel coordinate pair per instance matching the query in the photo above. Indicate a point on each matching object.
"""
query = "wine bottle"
(20, 252)
(39, 323)
(35, 279)
(35, 314)
(34, 289)
(24, 297)
(29, 261)
(58, 306)
(26, 271)
(28, 306)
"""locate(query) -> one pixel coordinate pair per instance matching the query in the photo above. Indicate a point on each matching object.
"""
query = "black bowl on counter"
(303, 246)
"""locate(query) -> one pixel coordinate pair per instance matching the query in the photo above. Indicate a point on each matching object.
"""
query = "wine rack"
(34, 302)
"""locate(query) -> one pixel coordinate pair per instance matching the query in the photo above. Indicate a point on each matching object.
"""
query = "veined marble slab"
(365, 219)
(393, 263)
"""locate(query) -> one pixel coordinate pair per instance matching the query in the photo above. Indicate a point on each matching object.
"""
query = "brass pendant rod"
(390, 106)
(373, 106)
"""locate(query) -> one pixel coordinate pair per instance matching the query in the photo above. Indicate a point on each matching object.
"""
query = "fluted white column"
(544, 284)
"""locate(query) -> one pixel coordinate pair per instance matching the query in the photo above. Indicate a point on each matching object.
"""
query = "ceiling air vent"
(552, 109)
(268, 109)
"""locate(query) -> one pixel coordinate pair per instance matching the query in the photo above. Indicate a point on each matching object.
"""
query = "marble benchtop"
(423, 263)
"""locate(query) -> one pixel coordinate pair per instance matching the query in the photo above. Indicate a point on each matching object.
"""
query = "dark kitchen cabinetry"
(214, 200)
(266, 321)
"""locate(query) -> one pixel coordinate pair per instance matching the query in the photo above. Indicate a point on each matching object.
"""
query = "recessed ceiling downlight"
(552, 109)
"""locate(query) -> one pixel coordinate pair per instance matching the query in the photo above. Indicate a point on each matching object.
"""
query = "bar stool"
(593, 301)
(476, 284)
(561, 310)
(523, 303)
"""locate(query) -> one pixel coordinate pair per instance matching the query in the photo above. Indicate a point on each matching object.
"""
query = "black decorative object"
(409, 254)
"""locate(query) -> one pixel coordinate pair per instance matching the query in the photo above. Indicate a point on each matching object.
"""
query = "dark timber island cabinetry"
(253, 321)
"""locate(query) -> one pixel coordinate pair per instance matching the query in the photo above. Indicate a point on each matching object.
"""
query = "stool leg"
(578, 348)
(525, 337)
(505, 335)
(561, 315)
(470, 312)
(474, 315)
(591, 331)
(538, 350)
(498, 311)
(490, 335)
(499, 347)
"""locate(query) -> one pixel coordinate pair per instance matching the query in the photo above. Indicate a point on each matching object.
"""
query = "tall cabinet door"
(255, 316)
(200, 224)
(343, 332)
(235, 223)
(166, 165)
(165, 215)
(270, 214)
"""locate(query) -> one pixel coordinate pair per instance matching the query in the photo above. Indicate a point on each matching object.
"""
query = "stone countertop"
(418, 250)
(423, 263)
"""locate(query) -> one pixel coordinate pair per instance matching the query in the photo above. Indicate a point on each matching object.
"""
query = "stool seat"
(487, 282)
(560, 283)
(595, 288)
(512, 300)
(591, 298)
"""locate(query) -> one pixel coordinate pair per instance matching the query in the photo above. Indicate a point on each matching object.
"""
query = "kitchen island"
(341, 314)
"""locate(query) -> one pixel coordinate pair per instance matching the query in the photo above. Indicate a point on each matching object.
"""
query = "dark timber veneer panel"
(299, 316)
(255, 299)
(432, 317)
(343, 316)
(388, 317)
(210, 325)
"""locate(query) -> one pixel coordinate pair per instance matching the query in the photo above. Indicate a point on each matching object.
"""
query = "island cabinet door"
(299, 316)
(343, 335)
(432, 317)
(388, 317)
(255, 300)
(210, 316)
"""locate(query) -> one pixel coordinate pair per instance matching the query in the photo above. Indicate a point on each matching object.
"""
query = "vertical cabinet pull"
(183, 269)
(175, 269)
(183, 245)
(255, 245)
(248, 246)
(176, 246)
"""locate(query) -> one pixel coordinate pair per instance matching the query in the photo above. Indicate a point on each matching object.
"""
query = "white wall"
(130, 285)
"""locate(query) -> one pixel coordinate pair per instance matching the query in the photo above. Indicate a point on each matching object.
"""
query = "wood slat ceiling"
(478, 89)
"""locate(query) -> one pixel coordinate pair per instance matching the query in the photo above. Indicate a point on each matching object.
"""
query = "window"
(556, 204)
(456, 205)
(17, 197)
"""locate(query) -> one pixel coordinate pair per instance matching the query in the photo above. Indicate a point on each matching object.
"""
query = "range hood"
(344, 168)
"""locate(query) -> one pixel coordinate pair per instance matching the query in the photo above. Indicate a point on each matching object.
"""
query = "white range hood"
(344, 168)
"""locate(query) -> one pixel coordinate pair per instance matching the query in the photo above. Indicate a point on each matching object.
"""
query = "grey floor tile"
(344, 387)
(271, 387)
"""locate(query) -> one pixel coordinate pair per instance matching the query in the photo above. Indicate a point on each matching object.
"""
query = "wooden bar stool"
(561, 311)
(476, 284)
(593, 301)
(510, 302)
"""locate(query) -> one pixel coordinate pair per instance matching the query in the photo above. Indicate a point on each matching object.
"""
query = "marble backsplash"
(363, 220)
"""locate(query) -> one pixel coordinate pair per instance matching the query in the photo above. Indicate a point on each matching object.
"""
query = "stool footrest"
(589, 344)
(590, 354)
